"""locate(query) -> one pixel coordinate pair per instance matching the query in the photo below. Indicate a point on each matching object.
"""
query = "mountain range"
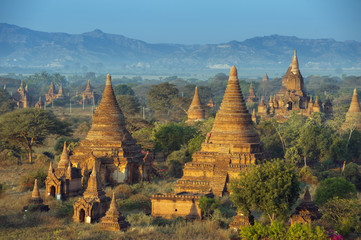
(96, 51)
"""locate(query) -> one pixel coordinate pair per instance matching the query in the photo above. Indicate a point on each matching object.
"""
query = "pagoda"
(230, 147)
(251, 98)
(39, 103)
(35, 202)
(306, 212)
(93, 205)
(113, 220)
(262, 107)
(265, 77)
(22, 97)
(353, 115)
(88, 95)
(109, 141)
(196, 110)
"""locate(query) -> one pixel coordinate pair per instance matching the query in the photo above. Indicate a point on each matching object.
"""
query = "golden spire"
(51, 169)
(93, 189)
(233, 123)
(294, 64)
(355, 105)
(35, 194)
(109, 80)
(64, 158)
(195, 111)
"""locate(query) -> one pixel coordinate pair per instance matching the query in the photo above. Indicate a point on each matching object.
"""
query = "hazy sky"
(190, 21)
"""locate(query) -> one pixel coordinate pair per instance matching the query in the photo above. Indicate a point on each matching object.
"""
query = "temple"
(93, 205)
(306, 212)
(230, 147)
(52, 94)
(292, 96)
(64, 181)
(22, 97)
(251, 97)
(353, 115)
(196, 110)
(113, 220)
(108, 140)
(265, 77)
(39, 104)
(88, 96)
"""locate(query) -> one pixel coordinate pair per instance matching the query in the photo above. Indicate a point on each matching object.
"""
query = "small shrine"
(307, 211)
(35, 203)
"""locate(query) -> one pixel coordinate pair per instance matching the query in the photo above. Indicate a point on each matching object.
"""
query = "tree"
(334, 187)
(352, 174)
(160, 96)
(272, 187)
(207, 205)
(6, 104)
(123, 89)
(171, 136)
(29, 127)
(128, 104)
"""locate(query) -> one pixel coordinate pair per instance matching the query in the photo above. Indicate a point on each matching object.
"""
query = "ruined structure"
(93, 205)
(110, 142)
(22, 97)
(88, 96)
(292, 96)
(242, 220)
(306, 212)
(196, 110)
(64, 181)
(35, 202)
(230, 147)
(251, 98)
(353, 115)
(52, 94)
(265, 77)
(113, 220)
(39, 103)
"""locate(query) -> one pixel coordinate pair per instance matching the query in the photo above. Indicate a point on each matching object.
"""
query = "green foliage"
(128, 104)
(2, 188)
(343, 215)
(171, 136)
(159, 96)
(270, 138)
(139, 219)
(71, 143)
(271, 187)
(352, 174)
(306, 176)
(6, 104)
(136, 201)
(195, 144)
(123, 89)
(208, 205)
(334, 187)
(27, 181)
(176, 161)
(278, 230)
(64, 209)
(29, 127)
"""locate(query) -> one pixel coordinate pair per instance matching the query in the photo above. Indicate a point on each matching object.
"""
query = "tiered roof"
(113, 220)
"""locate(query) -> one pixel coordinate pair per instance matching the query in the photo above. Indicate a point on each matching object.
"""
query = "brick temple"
(196, 110)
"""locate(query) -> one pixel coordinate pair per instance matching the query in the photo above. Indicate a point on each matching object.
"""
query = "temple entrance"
(52, 191)
(289, 106)
(81, 215)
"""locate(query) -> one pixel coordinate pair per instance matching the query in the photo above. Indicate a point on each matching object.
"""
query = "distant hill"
(101, 52)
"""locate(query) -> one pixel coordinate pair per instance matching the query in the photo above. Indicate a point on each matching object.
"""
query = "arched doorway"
(81, 215)
(52, 191)
(289, 106)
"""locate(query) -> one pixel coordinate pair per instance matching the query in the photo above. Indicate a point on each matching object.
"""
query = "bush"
(353, 175)
(27, 181)
(64, 209)
(137, 201)
(208, 205)
(2, 188)
(334, 187)
(139, 219)
(42, 158)
(279, 231)
(305, 175)
(123, 191)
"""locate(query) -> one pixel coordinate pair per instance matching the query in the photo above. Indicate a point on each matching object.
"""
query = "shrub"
(42, 158)
(27, 181)
(208, 205)
(139, 219)
(353, 175)
(64, 209)
(136, 201)
(2, 188)
(123, 191)
(334, 187)
(305, 175)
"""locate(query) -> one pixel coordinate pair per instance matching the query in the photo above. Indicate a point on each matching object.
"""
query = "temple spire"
(109, 80)
(355, 105)
(35, 194)
(294, 63)
(64, 158)
(94, 189)
(195, 111)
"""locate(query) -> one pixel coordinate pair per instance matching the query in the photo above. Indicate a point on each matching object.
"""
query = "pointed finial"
(109, 80)
(233, 71)
(294, 64)
(94, 170)
(355, 92)
(35, 193)
(51, 169)
(307, 196)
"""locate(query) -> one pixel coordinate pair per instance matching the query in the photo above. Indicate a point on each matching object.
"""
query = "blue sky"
(190, 21)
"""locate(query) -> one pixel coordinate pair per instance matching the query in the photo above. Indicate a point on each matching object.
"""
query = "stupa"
(251, 98)
(110, 142)
(262, 107)
(196, 110)
(242, 220)
(39, 103)
(265, 77)
(353, 115)
(22, 97)
(93, 205)
(307, 211)
(230, 147)
(35, 202)
(88, 95)
(113, 220)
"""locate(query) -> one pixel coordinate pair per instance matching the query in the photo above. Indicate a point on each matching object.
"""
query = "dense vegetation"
(312, 152)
